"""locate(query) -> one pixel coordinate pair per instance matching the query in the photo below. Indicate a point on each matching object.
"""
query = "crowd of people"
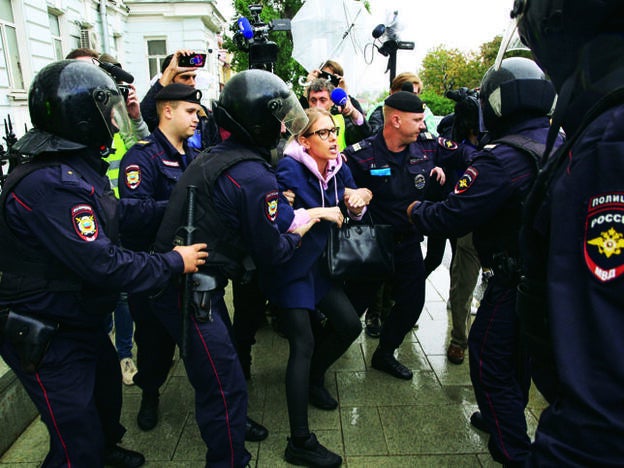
(141, 214)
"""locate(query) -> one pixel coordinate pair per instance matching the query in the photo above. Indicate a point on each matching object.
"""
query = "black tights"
(313, 349)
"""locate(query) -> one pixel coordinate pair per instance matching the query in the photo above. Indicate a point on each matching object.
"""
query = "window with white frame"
(156, 53)
(55, 32)
(10, 65)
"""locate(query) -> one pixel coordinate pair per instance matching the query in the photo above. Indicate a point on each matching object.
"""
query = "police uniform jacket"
(243, 198)
(149, 170)
(302, 281)
(397, 179)
(65, 215)
(487, 198)
(578, 247)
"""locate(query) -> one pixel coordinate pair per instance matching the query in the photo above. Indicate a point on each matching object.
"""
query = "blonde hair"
(314, 114)
(406, 77)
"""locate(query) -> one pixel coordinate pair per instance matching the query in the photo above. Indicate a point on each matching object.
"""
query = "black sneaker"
(311, 454)
(373, 327)
(123, 458)
(320, 398)
(147, 418)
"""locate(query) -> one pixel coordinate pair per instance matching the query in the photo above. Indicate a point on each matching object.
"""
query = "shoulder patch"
(85, 222)
(447, 144)
(604, 236)
(133, 176)
(466, 180)
(270, 206)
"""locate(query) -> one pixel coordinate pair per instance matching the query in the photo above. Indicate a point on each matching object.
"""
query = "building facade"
(34, 33)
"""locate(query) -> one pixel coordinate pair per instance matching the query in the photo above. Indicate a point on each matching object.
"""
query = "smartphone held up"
(196, 60)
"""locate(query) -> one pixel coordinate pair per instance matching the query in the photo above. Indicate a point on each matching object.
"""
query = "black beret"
(406, 102)
(179, 92)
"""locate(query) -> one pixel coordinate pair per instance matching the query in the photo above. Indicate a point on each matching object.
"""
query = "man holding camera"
(348, 113)
(181, 67)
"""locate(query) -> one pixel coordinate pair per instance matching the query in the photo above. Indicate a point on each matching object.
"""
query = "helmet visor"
(511, 42)
(112, 108)
(289, 112)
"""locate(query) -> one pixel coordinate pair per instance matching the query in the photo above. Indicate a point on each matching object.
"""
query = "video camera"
(460, 94)
(253, 37)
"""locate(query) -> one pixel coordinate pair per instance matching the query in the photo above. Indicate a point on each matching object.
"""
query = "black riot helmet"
(77, 101)
(557, 30)
(254, 104)
(516, 91)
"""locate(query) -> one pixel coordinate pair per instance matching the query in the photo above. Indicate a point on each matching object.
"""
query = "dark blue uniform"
(148, 172)
(244, 198)
(487, 201)
(577, 232)
(396, 180)
(67, 213)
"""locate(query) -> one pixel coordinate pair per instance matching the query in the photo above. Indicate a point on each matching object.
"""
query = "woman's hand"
(357, 199)
(331, 214)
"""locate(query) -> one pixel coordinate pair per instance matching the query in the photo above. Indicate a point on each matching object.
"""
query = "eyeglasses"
(323, 133)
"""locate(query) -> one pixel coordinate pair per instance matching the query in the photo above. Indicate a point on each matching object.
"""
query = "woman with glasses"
(313, 171)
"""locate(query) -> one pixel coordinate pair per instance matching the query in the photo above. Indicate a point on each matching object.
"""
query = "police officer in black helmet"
(61, 269)
(237, 205)
(573, 232)
(516, 100)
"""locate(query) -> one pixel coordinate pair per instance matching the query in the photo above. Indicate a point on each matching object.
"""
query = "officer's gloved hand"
(466, 123)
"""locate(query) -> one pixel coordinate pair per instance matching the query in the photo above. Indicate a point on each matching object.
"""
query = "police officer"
(573, 232)
(149, 170)
(62, 271)
(516, 100)
(237, 205)
(398, 165)
(207, 133)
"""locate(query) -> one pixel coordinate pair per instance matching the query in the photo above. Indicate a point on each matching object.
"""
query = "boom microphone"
(118, 73)
(245, 28)
(339, 97)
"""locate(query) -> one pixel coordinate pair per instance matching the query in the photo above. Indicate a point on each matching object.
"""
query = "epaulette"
(489, 147)
(359, 146)
(426, 136)
(143, 142)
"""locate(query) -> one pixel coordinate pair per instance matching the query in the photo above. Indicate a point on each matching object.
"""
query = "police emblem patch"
(466, 180)
(270, 206)
(448, 144)
(133, 176)
(85, 222)
(604, 236)
(420, 181)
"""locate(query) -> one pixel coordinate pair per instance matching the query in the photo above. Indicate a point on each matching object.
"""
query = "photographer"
(207, 133)
(353, 126)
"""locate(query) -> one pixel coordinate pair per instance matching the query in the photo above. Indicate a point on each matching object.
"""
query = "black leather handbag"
(360, 251)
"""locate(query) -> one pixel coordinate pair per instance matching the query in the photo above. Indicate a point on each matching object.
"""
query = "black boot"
(123, 458)
(147, 418)
(255, 432)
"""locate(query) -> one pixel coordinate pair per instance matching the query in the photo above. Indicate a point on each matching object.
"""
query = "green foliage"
(286, 67)
(439, 105)
(445, 69)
